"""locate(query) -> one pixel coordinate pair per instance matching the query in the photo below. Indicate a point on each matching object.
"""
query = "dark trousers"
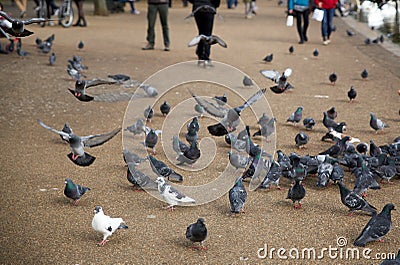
(204, 22)
(152, 10)
(302, 27)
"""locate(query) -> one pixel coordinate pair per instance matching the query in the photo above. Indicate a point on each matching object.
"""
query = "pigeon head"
(74, 140)
(98, 209)
(17, 26)
(79, 84)
(388, 208)
(67, 181)
(200, 221)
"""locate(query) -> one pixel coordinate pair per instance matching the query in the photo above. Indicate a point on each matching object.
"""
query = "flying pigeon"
(291, 49)
(171, 195)
(230, 117)
(137, 128)
(309, 123)
(332, 113)
(280, 80)
(296, 116)
(152, 139)
(301, 140)
(197, 232)
(148, 113)
(376, 123)
(377, 227)
(247, 81)
(364, 74)
(237, 197)
(106, 225)
(161, 169)
(74, 191)
(210, 40)
(296, 193)
(67, 129)
(316, 53)
(352, 94)
(353, 201)
(149, 90)
(269, 58)
(77, 144)
(333, 78)
(52, 59)
(81, 85)
(139, 180)
(165, 108)
(119, 77)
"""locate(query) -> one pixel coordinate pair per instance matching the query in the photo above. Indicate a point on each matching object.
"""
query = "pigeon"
(298, 170)
(106, 225)
(367, 41)
(73, 73)
(191, 134)
(280, 80)
(221, 100)
(374, 150)
(151, 139)
(301, 140)
(67, 129)
(77, 144)
(364, 74)
(17, 28)
(309, 123)
(296, 116)
(291, 49)
(376, 41)
(190, 155)
(324, 173)
(81, 45)
(74, 191)
(353, 201)
(332, 113)
(139, 180)
(52, 59)
(377, 227)
(352, 94)
(392, 261)
(336, 149)
(149, 90)
(247, 81)
(350, 33)
(238, 161)
(337, 174)
(171, 195)
(267, 129)
(316, 53)
(237, 144)
(333, 78)
(194, 124)
(284, 161)
(376, 123)
(137, 128)
(362, 148)
(237, 197)
(148, 113)
(273, 176)
(165, 108)
(263, 120)
(364, 178)
(81, 85)
(132, 158)
(331, 124)
(178, 146)
(161, 169)
(296, 193)
(210, 40)
(119, 77)
(197, 232)
(199, 109)
(230, 117)
(269, 58)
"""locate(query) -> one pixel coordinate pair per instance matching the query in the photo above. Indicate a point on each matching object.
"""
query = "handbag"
(318, 15)
(289, 21)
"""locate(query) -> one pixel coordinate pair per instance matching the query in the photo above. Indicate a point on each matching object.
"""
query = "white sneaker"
(136, 12)
(56, 12)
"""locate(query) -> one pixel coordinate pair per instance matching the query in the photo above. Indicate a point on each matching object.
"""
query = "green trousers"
(152, 10)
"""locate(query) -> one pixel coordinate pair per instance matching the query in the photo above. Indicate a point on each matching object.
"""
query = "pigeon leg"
(278, 187)
(169, 207)
(74, 157)
(364, 194)
(350, 213)
(381, 241)
(76, 202)
(103, 242)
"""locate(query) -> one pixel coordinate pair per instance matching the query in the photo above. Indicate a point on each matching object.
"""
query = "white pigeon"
(106, 225)
(171, 195)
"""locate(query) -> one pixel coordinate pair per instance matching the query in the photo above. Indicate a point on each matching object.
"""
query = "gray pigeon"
(296, 116)
(238, 161)
(337, 173)
(52, 59)
(331, 124)
(191, 155)
(353, 201)
(151, 139)
(197, 232)
(106, 225)
(301, 140)
(178, 146)
(132, 158)
(309, 123)
(247, 81)
(78, 143)
(273, 176)
(148, 113)
(263, 120)
(377, 227)
(237, 144)
(352, 94)
(192, 134)
(199, 109)
(165, 108)
(137, 128)
(267, 129)
(74, 191)
(324, 173)
(210, 40)
(67, 129)
(237, 197)
(161, 169)
(150, 91)
(171, 195)
(296, 193)
(139, 179)
(376, 123)
(81, 45)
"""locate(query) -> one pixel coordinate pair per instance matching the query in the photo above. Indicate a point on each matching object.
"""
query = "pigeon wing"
(271, 74)
(61, 133)
(99, 139)
(96, 82)
(254, 98)
(209, 106)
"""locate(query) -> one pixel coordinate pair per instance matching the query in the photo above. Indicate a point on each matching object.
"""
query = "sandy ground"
(39, 226)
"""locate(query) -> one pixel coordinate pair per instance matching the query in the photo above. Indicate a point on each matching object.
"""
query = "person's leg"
(205, 22)
(78, 22)
(163, 11)
(331, 13)
(299, 26)
(306, 22)
(151, 20)
(324, 25)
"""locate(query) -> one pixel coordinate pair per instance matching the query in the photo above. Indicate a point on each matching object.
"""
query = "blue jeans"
(326, 25)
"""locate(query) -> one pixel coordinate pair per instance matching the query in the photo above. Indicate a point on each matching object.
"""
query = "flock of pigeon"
(367, 163)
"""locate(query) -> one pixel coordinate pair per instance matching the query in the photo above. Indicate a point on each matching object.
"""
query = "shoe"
(51, 23)
(305, 38)
(167, 49)
(325, 42)
(135, 12)
(148, 47)
(56, 12)
(301, 42)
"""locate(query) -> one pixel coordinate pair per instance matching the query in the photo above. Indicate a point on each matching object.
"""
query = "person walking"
(329, 11)
(21, 4)
(154, 7)
(301, 10)
(204, 17)
(81, 15)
